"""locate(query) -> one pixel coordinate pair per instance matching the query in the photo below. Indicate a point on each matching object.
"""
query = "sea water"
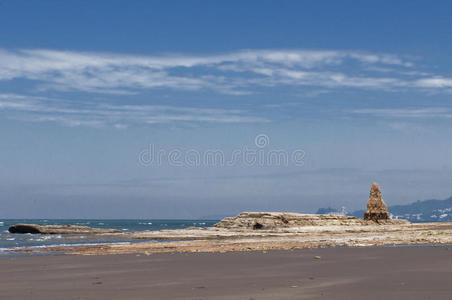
(10, 241)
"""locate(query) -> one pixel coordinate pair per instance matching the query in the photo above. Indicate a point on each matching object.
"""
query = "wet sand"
(339, 273)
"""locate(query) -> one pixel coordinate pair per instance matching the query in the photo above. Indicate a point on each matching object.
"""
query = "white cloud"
(430, 112)
(300, 72)
(235, 73)
(41, 109)
(435, 82)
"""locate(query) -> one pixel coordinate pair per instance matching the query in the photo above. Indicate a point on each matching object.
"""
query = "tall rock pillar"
(376, 208)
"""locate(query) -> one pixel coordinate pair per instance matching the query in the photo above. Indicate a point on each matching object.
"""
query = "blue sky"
(363, 89)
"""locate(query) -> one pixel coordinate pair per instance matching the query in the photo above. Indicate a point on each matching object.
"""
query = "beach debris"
(376, 208)
(57, 229)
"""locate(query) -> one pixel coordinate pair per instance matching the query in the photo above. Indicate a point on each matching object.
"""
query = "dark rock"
(258, 226)
(24, 228)
(57, 229)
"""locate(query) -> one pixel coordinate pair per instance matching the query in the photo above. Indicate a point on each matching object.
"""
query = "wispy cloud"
(436, 82)
(43, 109)
(430, 112)
(235, 73)
(300, 72)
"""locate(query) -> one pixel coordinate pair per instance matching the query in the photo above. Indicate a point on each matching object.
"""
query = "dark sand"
(340, 273)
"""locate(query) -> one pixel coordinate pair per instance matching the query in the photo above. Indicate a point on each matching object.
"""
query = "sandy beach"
(422, 272)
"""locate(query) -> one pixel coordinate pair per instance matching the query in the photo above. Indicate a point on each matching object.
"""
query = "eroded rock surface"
(376, 208)
(57, 229)
(271, 220)
(274, 220)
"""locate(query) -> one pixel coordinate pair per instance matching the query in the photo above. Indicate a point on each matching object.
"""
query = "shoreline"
(25, 252)
(214, 239)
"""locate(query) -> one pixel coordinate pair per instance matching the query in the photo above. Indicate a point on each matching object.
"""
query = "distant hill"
(420, 211)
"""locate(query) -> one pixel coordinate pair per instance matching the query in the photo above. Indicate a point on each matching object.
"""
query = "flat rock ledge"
(272, 220)
(58, 229)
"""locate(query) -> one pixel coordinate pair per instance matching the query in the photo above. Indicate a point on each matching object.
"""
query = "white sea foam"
(42, 238)
(1, 223)
(201, 223)
(62, 245)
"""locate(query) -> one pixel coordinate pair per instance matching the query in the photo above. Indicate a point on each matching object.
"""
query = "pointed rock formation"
(376, 208)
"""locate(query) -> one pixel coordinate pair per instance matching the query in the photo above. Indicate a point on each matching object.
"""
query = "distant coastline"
(416, 212)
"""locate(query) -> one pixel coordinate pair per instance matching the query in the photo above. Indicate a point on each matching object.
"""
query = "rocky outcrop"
(376, 208)
(57, 229)
(271, 220)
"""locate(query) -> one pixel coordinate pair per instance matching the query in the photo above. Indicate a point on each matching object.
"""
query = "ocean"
(9, 241)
